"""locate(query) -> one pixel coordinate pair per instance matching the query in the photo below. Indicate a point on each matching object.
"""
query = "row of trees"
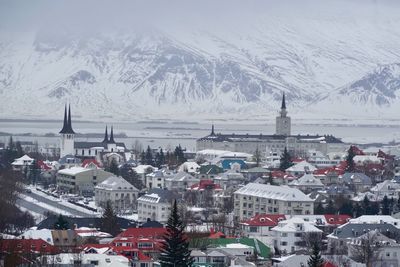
(159, 159)
(343, 205)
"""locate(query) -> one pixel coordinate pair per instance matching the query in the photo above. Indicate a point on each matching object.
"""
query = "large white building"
(79, 180)
(253, 199)
(120, 192)
(249, 143)
(155, 205)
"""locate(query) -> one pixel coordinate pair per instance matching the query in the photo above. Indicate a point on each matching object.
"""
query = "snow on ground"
(65, 202)
(45, 206)
(36, 216)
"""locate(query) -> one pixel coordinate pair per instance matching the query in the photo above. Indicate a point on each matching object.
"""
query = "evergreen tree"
(61, 223)
(285, 161)
(161, 157)
(350, 160)
(143, 157)
(175, 247)
(109, 220)
(270, 179)
(346, 208)
(149, 157)
(131, 176)
(319, 209)
(357, 210)
(18, 147)
(330, 209)
(113, 168)
(179, 155)
(34, 172)
(385, 206)
(315, 258)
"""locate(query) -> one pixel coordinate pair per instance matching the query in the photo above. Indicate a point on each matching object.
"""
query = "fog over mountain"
(198, 60)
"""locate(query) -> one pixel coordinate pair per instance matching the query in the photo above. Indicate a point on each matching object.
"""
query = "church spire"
(112, 136)
(283, 106)
(212, 130)
(67, 125)
(105, 136)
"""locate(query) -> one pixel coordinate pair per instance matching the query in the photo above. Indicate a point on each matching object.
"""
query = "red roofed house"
(205, 191)
(19, 251)
(261, 225)
(146, 240)
(91, 164)
(280, 177)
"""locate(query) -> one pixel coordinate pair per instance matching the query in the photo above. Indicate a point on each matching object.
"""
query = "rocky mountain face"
(321, 65)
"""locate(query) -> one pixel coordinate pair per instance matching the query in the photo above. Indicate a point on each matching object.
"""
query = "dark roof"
(352, 230)
(283, 106)
(210, 169)
(166, 196)
(261, 137)
(69, 159)
(350, 177)
(91, 222)
(152, 224)
(67, 125)
(94, 144)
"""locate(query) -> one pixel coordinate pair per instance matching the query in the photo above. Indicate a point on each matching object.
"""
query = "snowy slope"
(329, 64)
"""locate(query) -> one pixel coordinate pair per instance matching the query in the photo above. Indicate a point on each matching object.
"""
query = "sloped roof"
(301, 166)
(265, 220)
(307, 180)
(116, 183)
(284, 193)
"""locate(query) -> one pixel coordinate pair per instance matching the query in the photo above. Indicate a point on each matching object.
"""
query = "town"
(273, 199)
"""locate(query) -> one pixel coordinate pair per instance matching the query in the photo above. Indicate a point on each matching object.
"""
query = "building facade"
(253, 199)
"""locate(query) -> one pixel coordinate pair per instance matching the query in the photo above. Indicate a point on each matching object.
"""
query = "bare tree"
(137, 148)
(365, 249)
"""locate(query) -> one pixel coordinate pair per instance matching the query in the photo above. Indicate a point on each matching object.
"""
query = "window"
(145, 245)
(93, 262)
(283, 234)
(253, 229)
(283, 243)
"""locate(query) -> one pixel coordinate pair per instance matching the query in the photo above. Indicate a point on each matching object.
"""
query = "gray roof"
(82, 145)
(263, 138)
(350, 177)
(116, 183)
(158, 195)
(352, 230)
(68, 159)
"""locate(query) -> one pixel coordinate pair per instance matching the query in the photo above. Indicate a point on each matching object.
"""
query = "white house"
(307, 183)
(301, 168)
(120, 192)
(180, 181)
(20, 163)
(290, 235)
(155, 205)
(190, 167)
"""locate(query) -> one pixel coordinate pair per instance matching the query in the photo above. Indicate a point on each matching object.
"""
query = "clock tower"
(283, 121)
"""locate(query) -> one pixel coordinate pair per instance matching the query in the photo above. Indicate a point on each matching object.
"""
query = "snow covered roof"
(296, 224)
(116, 183)
(141, 169)
(44, 234)
(189, 166)
(301, 166)
(307, 180)
(274, 192)
(73, 170)
(182, 176)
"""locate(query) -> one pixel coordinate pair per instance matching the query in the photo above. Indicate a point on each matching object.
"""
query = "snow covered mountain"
(327, 64)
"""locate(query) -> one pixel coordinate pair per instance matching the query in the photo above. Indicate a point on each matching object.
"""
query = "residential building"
(301, 168)
(291, 235)
(253, 199)
(120, 192)
(307, 183)
(359, 182)
(80, 180)
(21, 163)
(180, 181)
(155, 205)
(230, 179)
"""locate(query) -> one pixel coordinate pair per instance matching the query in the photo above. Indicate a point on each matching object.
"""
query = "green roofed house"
(262, 250)
(209, 171)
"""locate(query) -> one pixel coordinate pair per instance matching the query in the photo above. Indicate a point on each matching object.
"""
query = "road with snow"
(42, 204)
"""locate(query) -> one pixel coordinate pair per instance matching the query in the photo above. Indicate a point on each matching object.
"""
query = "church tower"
(283, 121)
(67, 135)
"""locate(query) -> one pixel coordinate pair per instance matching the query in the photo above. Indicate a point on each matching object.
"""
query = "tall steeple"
(212, 130)
(283, 106)
(64, 128)
(105, 141)
(71, 131)
(112, 136)
(283, 122)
